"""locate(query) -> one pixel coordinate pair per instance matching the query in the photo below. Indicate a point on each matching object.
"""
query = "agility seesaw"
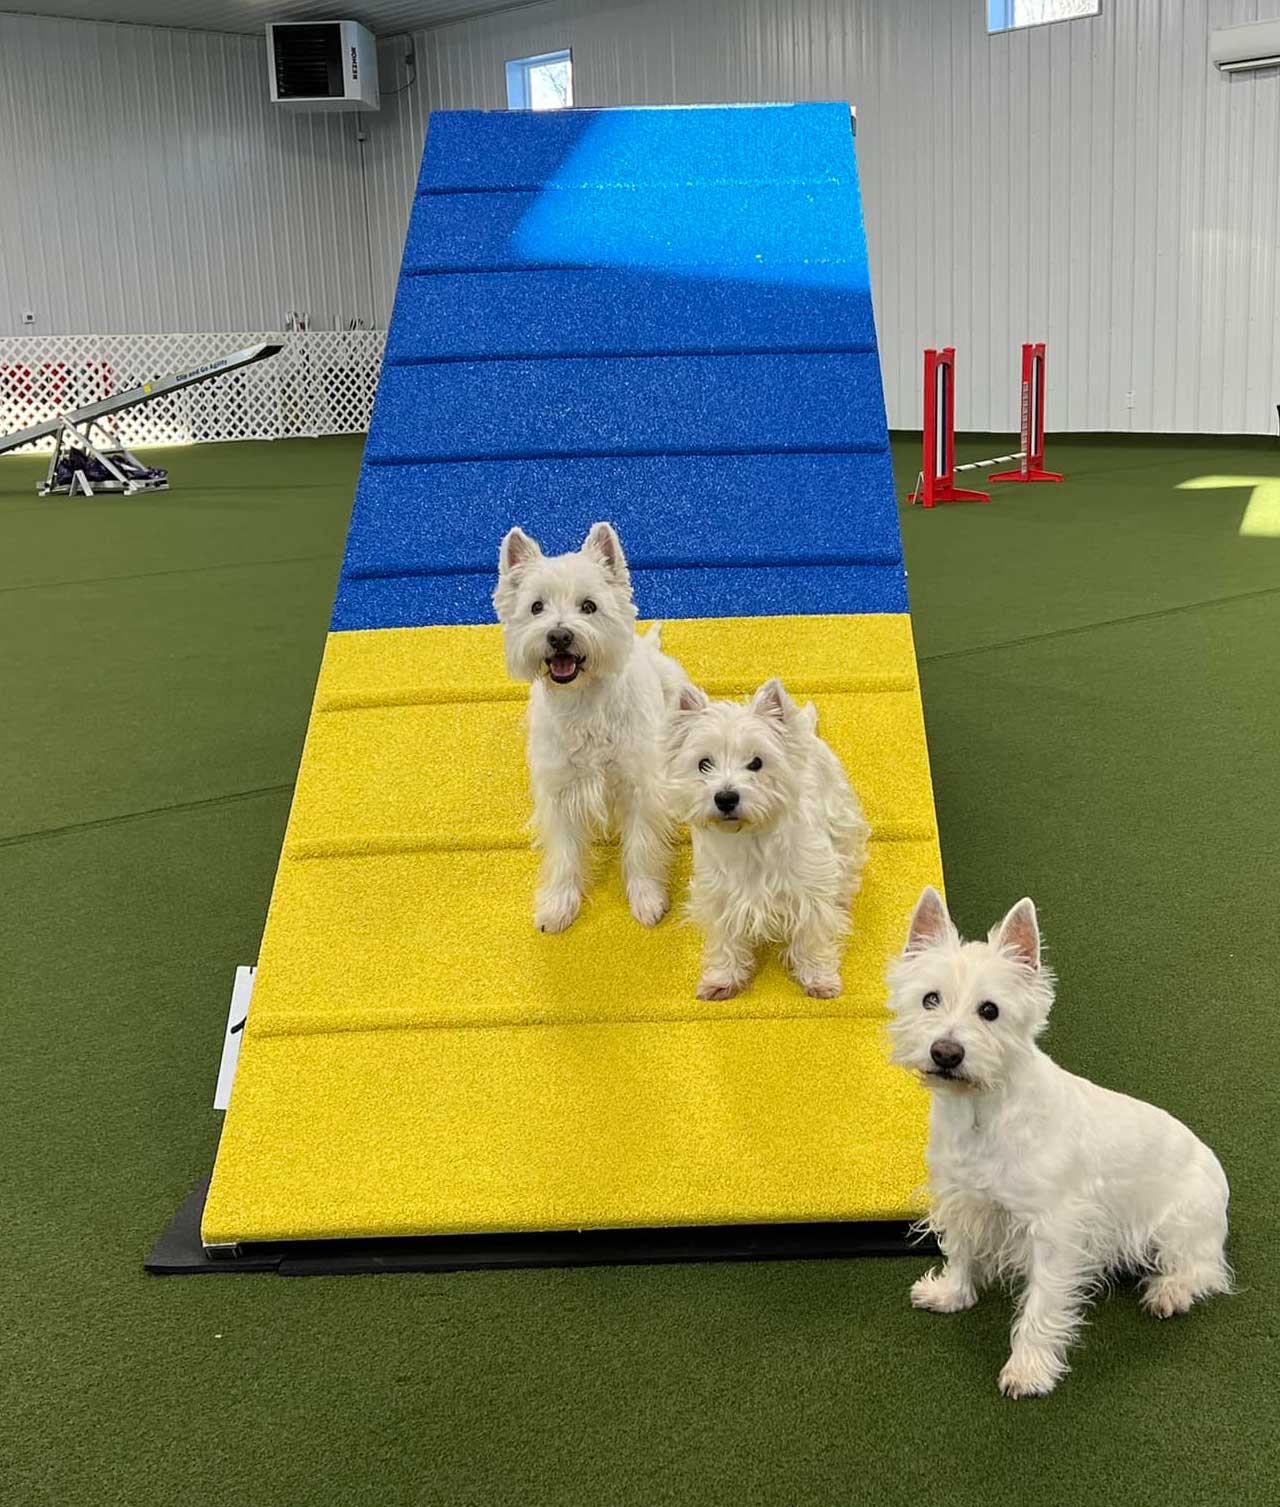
(78, 464)
(936, 481)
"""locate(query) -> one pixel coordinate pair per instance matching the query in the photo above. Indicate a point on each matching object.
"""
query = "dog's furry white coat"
(779, 838)
(599, 705)
(1037, 1175)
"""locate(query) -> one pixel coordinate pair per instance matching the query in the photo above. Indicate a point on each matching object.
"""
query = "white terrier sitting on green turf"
(1036, 1175)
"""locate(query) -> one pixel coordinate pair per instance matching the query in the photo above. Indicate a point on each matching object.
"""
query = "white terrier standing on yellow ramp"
(599, 702)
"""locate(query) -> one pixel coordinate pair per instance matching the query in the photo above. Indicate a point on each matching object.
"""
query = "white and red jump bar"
(936, 482)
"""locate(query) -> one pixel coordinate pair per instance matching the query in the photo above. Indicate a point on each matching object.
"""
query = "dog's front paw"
(1030, 1373)
(711, 988)
(940, 1293)
(1165, 1296)
(822, 986)
(556, 910)
(648, 900)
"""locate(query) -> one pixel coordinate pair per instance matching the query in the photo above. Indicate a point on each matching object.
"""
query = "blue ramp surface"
(662, 317)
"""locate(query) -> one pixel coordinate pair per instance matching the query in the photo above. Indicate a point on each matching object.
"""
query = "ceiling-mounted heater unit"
(1239, 49)
(323, 65)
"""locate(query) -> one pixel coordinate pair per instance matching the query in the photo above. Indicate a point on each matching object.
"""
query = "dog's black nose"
(559, 639)
(947, 1054)
(727, 800)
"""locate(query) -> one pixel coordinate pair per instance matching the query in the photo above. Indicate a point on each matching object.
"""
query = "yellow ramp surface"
(420, 1060)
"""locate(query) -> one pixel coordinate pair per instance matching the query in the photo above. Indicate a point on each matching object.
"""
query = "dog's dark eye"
(931, 1000)
(756, 764)
(588, 605)
(988, 1011)
(704, 765)
(536, 608)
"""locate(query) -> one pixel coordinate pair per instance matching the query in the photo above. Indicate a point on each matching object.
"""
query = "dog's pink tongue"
(563, 666)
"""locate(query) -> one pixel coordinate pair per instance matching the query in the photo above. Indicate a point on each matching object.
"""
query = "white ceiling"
(385, 17)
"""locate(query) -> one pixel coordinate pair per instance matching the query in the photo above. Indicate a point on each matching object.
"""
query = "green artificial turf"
(1100, 682)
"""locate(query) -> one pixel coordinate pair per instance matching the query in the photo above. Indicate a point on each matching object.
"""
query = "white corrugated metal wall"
(1094, 183)
(150, 185)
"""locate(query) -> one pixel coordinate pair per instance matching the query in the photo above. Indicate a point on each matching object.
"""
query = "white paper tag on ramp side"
(238, 1013)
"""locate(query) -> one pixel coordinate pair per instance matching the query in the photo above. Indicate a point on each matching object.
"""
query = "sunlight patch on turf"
(1262, 513)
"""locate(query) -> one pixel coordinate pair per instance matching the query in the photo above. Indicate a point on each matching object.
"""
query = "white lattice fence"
(322, 382)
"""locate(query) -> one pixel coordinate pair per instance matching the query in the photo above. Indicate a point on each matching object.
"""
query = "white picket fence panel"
(322, 382)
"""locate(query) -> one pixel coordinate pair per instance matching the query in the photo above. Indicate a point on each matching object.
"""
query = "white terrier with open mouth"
(1035, 1174)
(599, 704)
(779, 838)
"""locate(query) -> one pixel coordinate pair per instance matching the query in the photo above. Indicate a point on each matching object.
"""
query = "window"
(541, 83)
(1009, 15)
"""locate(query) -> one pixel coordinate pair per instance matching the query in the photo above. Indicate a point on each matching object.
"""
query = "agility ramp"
(662, 318)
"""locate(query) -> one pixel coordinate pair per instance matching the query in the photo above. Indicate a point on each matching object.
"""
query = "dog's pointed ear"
(515, 552)
(605, 548)
(930, 922)
(692, 698)
(689, 702)
(772, 702)
(517, 549)
(1019, 935)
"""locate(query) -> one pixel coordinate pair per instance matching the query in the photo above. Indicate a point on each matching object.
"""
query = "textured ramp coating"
(387, 974)
(811, 654)
(412, 601)
(495, 410)
(673, 511)
(797, 144)
(416, 803)
(666, 321)
(600, 1126)
(661, 318)
(607, 311)
(399, 929)
(739, 231)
